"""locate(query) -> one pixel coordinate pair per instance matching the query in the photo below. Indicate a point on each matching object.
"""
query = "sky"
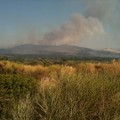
(86, 23)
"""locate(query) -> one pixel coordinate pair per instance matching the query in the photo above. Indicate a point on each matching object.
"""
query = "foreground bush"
(13, 88)
(87, 91)
(78, 98)
(73, 97)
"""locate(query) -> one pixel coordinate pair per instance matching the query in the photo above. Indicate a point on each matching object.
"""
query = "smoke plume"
(100, 20)
(101, 9)
(107, 11)
(97, 14)
(76, 29)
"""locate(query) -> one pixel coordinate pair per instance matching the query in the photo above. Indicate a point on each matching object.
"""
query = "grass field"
(73, 91)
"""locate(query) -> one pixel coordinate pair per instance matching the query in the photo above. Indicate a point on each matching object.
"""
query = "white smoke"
(76, 29)
(101, 9)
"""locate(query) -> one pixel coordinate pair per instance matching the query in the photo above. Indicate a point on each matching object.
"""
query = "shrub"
(78, 98)
(13, 88)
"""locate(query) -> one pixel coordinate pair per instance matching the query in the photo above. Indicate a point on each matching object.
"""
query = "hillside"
(62, 50)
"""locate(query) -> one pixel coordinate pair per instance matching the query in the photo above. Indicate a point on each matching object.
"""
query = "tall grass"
(78, 98)
(23, 109)
(87, 91)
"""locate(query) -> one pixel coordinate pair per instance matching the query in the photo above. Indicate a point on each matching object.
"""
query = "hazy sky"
(88, 23)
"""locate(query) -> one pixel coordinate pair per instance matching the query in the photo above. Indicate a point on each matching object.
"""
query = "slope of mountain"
(62, 50)
(42, 49)
(5, 51)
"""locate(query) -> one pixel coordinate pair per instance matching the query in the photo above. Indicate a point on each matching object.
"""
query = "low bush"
(84, 91)
(13, 88)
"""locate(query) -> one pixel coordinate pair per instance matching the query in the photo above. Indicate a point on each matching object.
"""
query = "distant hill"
(5, 51)
(62, 50)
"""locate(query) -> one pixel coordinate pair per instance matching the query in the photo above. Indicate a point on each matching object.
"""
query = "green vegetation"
(13, 88)
(73, 91)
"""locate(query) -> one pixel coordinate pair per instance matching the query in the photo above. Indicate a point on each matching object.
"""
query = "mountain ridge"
(62, 50)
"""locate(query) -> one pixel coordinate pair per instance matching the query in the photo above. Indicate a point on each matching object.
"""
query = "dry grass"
(87, 91)
(56, 70)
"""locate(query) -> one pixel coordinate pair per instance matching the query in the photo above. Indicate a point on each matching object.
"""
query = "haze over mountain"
(112, 50)
(60, 50)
